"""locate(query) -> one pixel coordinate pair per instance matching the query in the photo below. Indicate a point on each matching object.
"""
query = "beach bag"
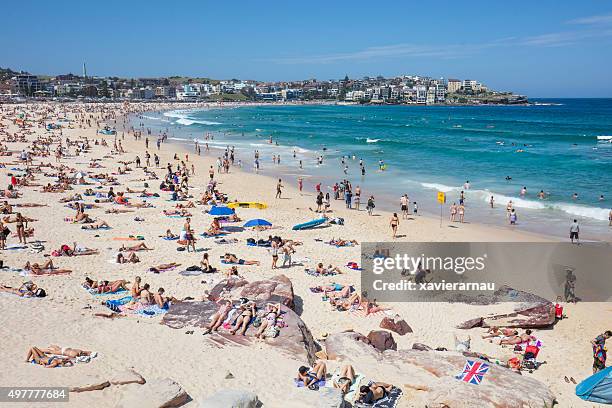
(257, 322)
(271, 332)
(531, 352)
(250, 240)
(40, 293)
(558, 311)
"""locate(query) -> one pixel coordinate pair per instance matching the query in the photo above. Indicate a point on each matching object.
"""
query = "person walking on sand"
(371, 205)
(394, 223)
(300, 183)
(453, 212)
(279, 188)
(574, 232)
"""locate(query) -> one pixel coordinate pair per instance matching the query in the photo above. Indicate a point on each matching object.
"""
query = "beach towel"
(170, 238)
(360, 312)
(390, 401)
(473, 372)
(353, 392)
(16, 247)
(191, 273)
(300, 383)
(94, 292)
(207, 235)
(118, 306)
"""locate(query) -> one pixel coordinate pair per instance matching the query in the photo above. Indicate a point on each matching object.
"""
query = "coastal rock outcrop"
(90, 383)
(231, 399)
(431, 376)
(531, 311)
(276, 289)
(325, 397)
(295, 338)
(160, 393)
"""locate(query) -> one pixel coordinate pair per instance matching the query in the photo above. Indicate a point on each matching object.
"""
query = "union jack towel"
(473, 372)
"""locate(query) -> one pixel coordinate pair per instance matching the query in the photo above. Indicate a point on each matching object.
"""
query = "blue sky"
(540, 48)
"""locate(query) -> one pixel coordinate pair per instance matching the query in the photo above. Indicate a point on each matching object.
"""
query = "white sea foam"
(439, 187)
(368, 140)
(578, 210)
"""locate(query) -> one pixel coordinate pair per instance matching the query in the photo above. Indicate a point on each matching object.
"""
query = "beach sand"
(66, 318)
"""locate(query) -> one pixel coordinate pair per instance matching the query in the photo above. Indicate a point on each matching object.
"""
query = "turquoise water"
(552, 147)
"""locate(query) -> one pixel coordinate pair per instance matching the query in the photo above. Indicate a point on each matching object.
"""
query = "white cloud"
(593, 20)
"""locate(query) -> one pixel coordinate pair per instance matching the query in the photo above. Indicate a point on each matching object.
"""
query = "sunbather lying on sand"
(215, 228)
(118, 211)
(523, 338)
(96, 225)
(269, 318)
(311, 376)
(374, 392)
(163, 267)
(190, 204)
(233, 259)
(341, 242)
(497, 332)
(27, 289)
(112, 287)
(39, 357)
(76, 250)
(66, 351)
(45, 269)
(140, 247)
(179, 213)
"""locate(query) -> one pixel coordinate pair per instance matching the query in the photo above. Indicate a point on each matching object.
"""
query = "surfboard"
(309, 224)
(260, 206)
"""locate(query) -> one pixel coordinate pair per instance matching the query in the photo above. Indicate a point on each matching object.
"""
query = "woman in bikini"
(112, 287)
(269, 320)
(312, 376)
(205, 264)
(27, 289)
(45, 269)
(20, 225)
(66, 351)
(248, 311)
(139, 247)
(374, 392)
(233, 259)
(39, 357)
(394, 224)
(344, 379)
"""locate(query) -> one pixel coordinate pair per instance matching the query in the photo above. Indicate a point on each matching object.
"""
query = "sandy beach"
(67, 315)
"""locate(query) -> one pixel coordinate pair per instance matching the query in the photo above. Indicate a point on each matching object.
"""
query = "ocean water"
(550, 146)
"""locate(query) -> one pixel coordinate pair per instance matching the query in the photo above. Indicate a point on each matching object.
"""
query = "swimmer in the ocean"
(508, 178)
(575, 196)
(523, 191)
(541, 195)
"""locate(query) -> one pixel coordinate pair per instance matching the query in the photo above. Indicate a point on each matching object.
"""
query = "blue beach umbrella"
(215, 210)
(257, 222)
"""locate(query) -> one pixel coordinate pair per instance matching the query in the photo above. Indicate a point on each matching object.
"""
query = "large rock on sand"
(276, 289)
(382, 340)
(428, 377)
(127, 377)
(531, 311)
(231, 399)
(325, 397)
(157, 393)
(294, 339)
(397, 325)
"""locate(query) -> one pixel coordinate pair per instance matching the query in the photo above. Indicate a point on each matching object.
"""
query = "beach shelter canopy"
(257, 222)
(597, 388)
(218, 210)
